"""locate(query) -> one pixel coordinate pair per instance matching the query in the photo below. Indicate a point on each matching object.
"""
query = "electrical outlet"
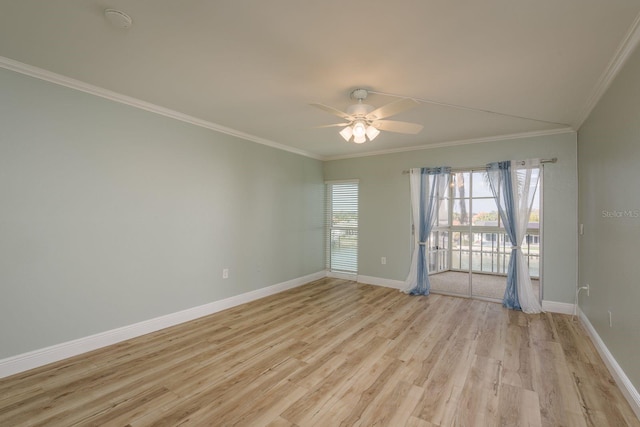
(225, 273)
(610, 320)
(383, 260)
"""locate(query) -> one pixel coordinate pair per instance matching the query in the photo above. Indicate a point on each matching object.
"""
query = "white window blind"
(342, 226)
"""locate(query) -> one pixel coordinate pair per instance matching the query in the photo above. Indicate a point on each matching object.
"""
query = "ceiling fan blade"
(396, 126)
(333, 125)
(333, 111)
(392, 108)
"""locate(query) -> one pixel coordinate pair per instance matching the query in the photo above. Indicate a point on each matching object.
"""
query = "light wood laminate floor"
(333, 353)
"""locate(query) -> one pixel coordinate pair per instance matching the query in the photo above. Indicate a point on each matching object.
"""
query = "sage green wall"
(384, 228)
(608, 160)
(110, 215)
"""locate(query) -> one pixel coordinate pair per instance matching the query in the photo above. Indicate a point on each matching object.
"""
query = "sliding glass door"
(472, 251)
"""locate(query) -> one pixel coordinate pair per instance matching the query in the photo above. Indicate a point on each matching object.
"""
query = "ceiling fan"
(364, 121)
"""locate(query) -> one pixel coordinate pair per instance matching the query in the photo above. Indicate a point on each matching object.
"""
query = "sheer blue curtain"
(427, 186)
(514, 185)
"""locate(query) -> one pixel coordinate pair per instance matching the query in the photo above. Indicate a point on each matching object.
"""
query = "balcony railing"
(487, 251)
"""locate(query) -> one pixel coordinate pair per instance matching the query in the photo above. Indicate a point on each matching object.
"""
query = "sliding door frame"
(486, 230)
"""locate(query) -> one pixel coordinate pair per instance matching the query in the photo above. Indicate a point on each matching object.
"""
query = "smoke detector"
(118, 18)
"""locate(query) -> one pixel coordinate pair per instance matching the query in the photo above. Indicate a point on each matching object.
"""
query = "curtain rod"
(553, 160)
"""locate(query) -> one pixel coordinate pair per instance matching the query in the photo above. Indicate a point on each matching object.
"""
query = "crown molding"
(457, 142)
(626, 48)
(75, 84)
(71, 83)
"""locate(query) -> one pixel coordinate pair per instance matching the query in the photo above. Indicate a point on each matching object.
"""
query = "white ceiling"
(255, 66)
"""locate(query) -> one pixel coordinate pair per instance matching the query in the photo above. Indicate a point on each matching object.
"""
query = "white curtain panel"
(526, 174)
(427, 184)
(414, 181)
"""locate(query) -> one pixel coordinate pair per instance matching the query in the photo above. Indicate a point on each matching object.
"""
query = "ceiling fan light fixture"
(359, 129)
(372, 132)
(364, 121)
(346, 133)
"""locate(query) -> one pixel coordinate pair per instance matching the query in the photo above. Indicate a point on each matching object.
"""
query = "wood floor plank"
(280, 422)
(333, 352)
(407, 400)
(517, 353)
(553, 383)
(407, 340)
(430, 352)
(277, 394)
(68, 399)
(386, 404)
(542, 327)
(575, 348)
(518, 407)
(445, 384)
(491, 339)
(315, 373)
(597, 397)
(126, 409)
(303, 411)
(208, 400)
(417, 422)
(477, 407)
(368, 395)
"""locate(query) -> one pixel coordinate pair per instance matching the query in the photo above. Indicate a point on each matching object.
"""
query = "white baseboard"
(54, 353)
(343, 276)
(558, 307)
(378, 281)
(625, 385)
(551, 306)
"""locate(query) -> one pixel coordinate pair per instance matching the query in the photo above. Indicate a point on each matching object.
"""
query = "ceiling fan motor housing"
(359, 109)
(359, 94)
(366, 121)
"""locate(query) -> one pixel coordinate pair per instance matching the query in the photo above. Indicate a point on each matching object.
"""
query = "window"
(478, 240)
(342, 226)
